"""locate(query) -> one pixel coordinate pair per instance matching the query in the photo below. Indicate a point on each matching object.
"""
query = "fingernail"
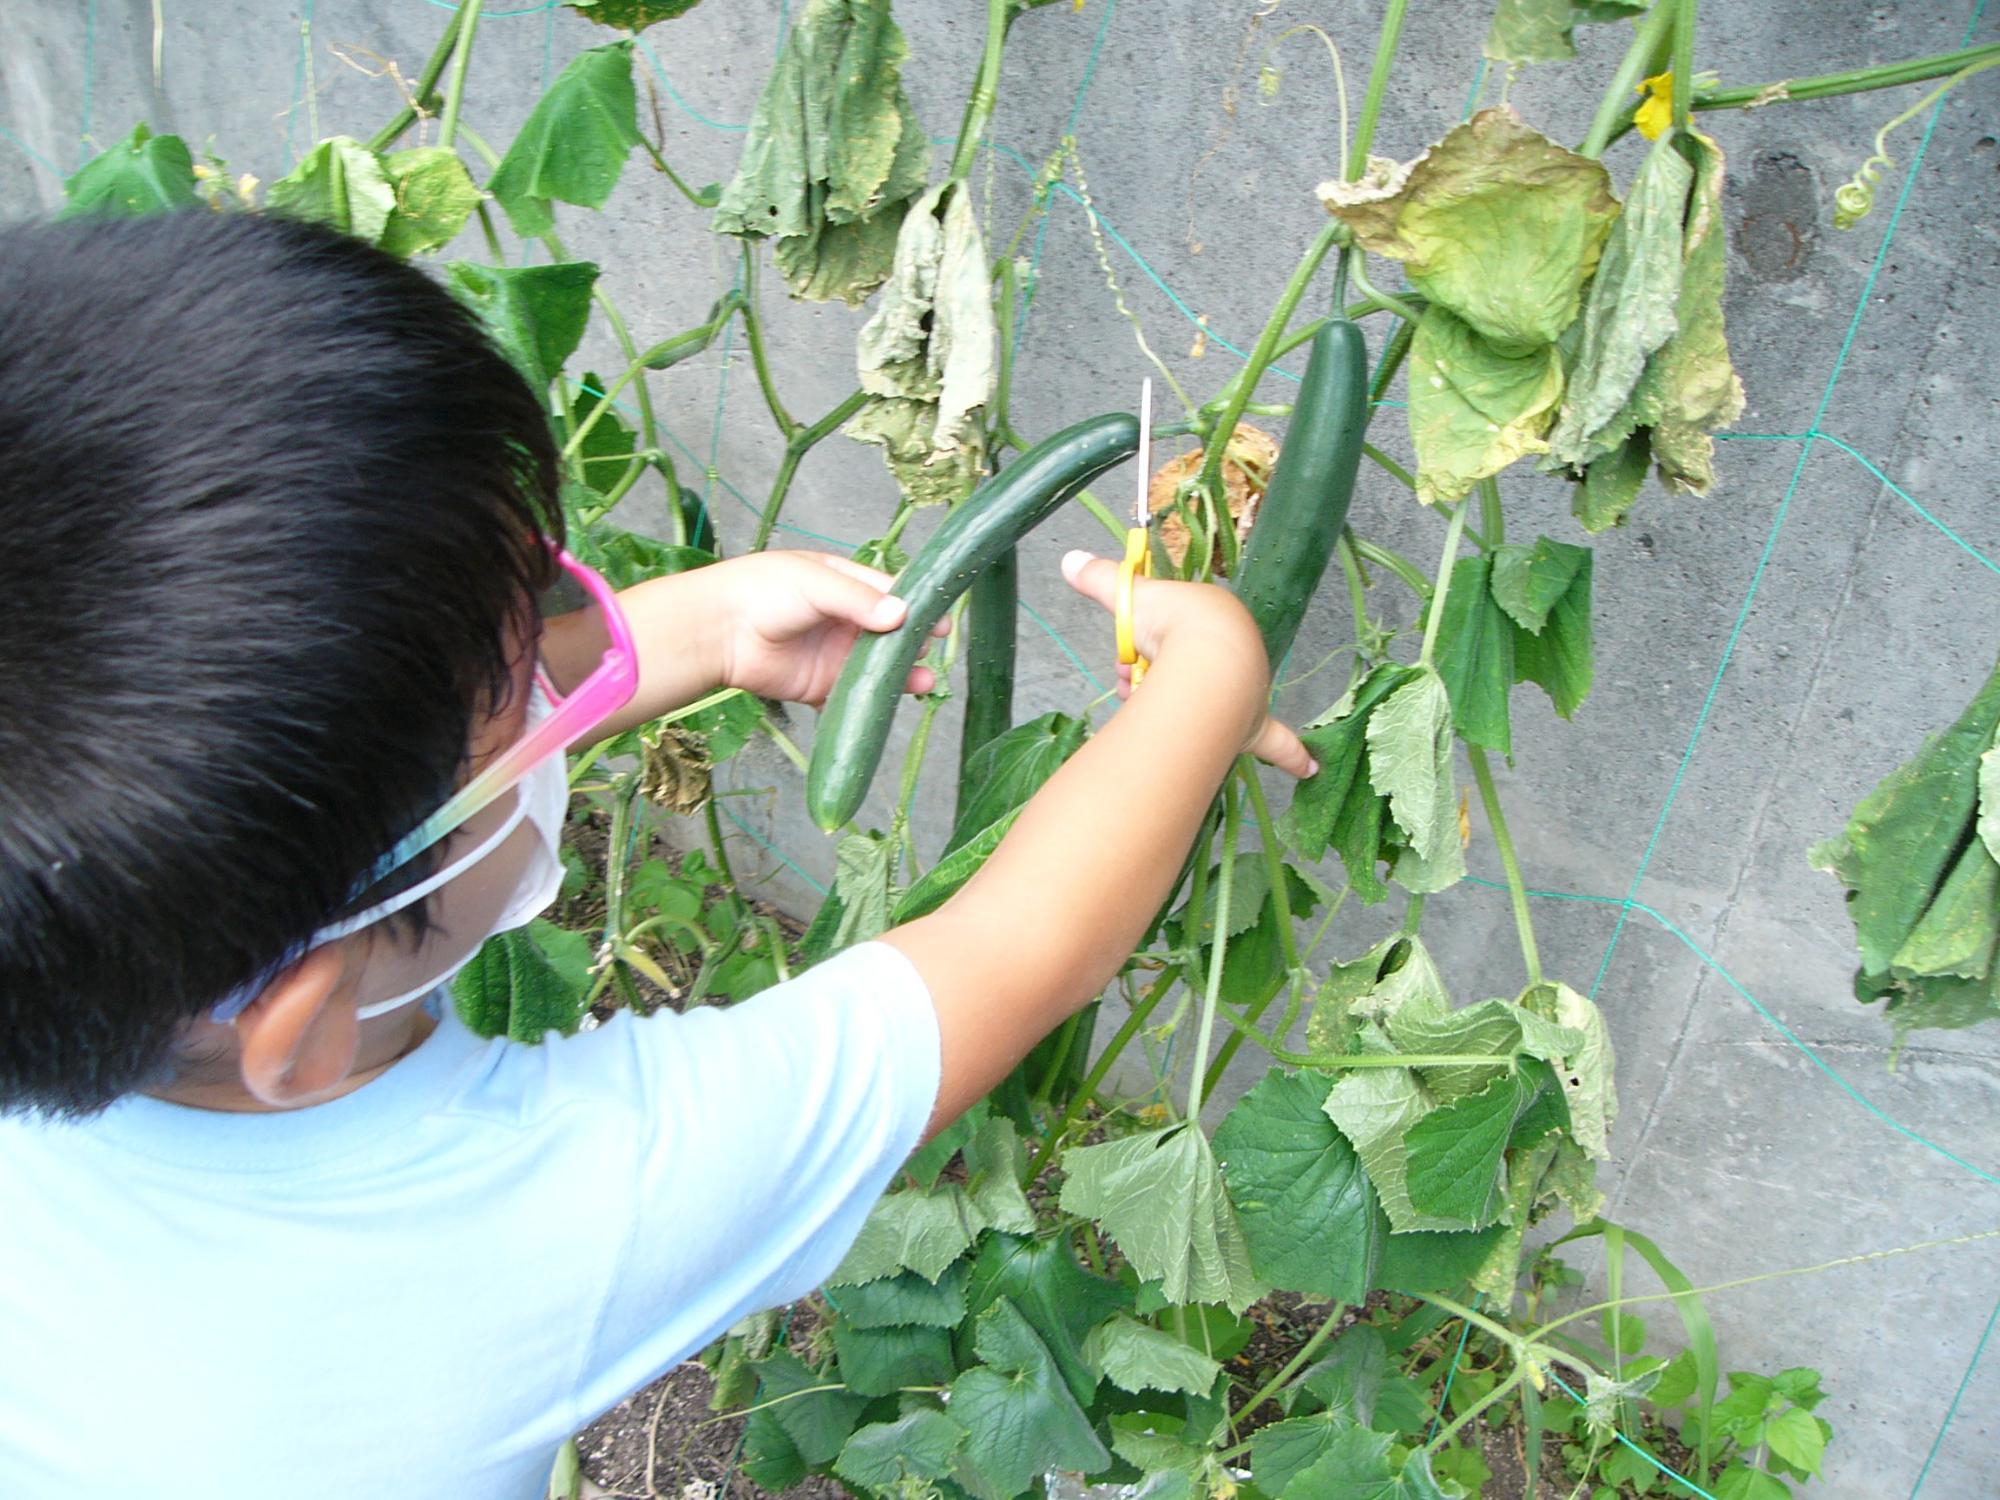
(889, 609)
(1073, 563)
(1312, 768)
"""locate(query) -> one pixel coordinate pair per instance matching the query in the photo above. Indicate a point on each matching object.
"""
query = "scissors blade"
(1139, 509)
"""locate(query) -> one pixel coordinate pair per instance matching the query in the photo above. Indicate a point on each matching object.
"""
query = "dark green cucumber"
(1305, 506)
(854, 725)
(991, 610)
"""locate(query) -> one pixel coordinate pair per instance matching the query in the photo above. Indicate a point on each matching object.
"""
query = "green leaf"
(881, 1361)
(1308, 1213)
(1058, 1297)
(941, 881)
(1340, 806)
(1410, 763)
(1585, 1071)
(1921, 881)
(607, 448)
(1474, 406)
(1281, 1451)
(861, 881)
(770, 1458)
(1456, 1154)
(921, 1232)
(1160, 1195)
(726, 726)
(1354, 1465)
(1795, 1436)
(633, 16)
(1135, 1357)
(1348, 1379)
(1630, 311)
(935, 1154)
(434, 196)
(905, 1299)
(1496, 222)
(1989, 802)
(1010, 768)
(536, 314)
(1676, 1383)
(1373, 1108)
(570, 954)
(1528, 582)
(1475, 656)
(142, 174)
(926, 355)
(1491, 1029)
(1533, 31)
(1558, 659)
(817, 1421)
(1740, 1483)
(1434, 1261)
(511, 989)
(994, 1162)
(1610, 486)
(883, 1455)
(339, 183)
(834, 152)
(1020, 1418)
(573, 145)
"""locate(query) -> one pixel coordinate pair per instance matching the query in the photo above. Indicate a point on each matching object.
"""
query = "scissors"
(1138, 561)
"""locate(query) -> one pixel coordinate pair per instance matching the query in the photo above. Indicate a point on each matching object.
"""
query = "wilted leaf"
(1610, 486)
(631, 15)
(536, 314)
(1497, 223)
(861, 881)
(1135, 1356)
(1474, 408)
(1249, 459)
(1585, 1070)
(1310, 1217)
(1410, 763)
(1373, 1108)
(574, 142)
(1529, 581)
(340, 183)
(1558, 658)
(1340, 806)
(1160, 1195)
(1020, 1419)
(142, 174)
(434, 195)
(1533, 31)
(833, 154)
(929, 348)
(1698, 388)
(1630, 311)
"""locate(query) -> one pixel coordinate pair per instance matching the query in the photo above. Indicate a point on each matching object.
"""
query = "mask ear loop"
(228, 1010)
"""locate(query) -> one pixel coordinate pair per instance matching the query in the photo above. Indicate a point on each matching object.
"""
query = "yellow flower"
(1657, 113)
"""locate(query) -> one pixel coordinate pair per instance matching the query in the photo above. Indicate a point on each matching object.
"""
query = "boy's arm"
(1050, 918)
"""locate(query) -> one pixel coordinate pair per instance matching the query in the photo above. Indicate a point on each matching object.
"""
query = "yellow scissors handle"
(1138, 563)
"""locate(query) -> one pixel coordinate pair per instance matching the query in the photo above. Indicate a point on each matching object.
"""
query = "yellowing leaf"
(1474, 408)
(434, 197)
(339, 183)
(1409, 762)
(1535, 31)
(1497, 223)
(927, 352)
(833, 154)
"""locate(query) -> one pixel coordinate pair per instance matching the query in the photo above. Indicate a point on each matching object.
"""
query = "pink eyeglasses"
(598, 632)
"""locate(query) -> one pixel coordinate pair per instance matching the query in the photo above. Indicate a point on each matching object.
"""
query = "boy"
(272, 514)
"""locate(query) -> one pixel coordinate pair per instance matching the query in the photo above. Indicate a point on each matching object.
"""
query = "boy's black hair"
(269, 504)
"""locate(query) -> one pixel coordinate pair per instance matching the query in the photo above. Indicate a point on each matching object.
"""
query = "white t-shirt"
(421, 1289)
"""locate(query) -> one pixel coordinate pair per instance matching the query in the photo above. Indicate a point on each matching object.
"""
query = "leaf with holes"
(434, 196)
(1534, 31)
(1475, 407)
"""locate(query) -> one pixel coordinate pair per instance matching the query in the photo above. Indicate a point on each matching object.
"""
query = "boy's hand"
(780, 624)
(1162, 607)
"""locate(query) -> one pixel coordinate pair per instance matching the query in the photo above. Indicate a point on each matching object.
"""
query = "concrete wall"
(1764, 655)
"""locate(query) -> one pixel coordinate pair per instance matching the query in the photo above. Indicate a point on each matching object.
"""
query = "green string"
(1956, 1397)
(83, 149)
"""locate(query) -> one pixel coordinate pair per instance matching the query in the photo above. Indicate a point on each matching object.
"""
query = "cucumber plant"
(1069, 1279)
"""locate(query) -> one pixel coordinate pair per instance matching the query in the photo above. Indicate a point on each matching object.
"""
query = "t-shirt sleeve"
(766, 1133)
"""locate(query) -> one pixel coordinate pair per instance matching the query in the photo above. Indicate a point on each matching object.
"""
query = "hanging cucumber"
(1305, 506)
(854, 725)
(990, 611)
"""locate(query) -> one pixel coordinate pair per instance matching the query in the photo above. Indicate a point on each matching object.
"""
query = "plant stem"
(1652, 32)
(672, 176)
(1683, 85)
(1292, 1366)
(424, 94)
(1264, 352)
(1859, 80)
(753, 329)
(1378, 85)
(1517, 889)
(1356, 263)
(1120, 1040)
(1395, 562)
(1274, 870)
(461, 59)
(1453, 534)
(796, 447)
(1232, 826)
(985, 91)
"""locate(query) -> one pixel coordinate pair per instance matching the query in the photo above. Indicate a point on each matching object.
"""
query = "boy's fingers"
(847, 591)
(1277, 745)
(1093, 577)
(889, 611)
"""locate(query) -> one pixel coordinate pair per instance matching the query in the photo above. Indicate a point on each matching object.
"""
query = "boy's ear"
(296, 1043)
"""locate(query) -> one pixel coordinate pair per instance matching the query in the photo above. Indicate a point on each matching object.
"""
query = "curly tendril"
(1853, 199)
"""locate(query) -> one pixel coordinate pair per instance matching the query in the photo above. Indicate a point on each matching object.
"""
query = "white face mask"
(541, 799)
